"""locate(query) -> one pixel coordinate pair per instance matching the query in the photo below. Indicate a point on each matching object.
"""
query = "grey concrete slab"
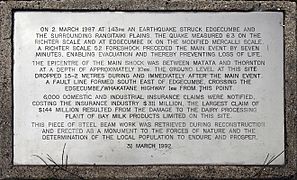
(10, 171)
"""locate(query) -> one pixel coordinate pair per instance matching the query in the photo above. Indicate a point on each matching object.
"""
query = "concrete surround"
(9, 171)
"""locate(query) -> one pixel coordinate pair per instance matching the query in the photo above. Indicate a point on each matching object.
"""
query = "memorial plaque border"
(8, 170)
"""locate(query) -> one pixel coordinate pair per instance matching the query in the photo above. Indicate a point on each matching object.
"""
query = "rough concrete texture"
(9, 171)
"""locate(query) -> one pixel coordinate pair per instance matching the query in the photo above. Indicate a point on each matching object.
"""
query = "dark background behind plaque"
(7, 170)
